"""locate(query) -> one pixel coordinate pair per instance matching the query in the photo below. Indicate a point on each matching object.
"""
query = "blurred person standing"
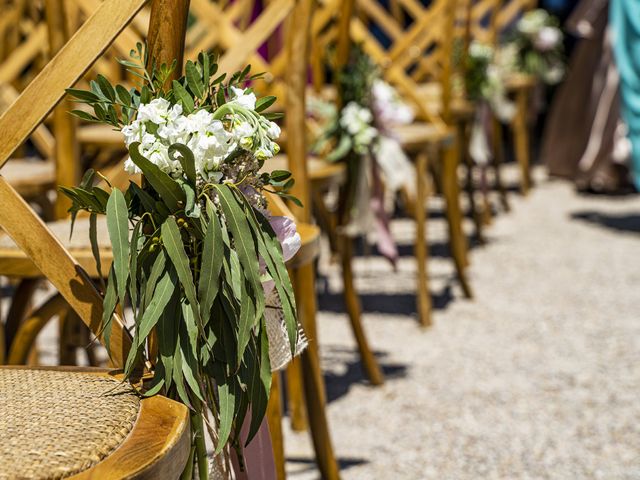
(584, 138)
(624, 18)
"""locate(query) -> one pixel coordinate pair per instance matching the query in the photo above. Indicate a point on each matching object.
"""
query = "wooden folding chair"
(129, 437)
(489, 19)
(414, 39)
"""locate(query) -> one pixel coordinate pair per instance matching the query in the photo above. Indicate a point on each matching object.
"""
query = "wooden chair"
(489, 19)
(417, 38)
(139, 438)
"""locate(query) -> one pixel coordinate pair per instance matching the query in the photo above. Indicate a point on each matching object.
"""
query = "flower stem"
(201, 449)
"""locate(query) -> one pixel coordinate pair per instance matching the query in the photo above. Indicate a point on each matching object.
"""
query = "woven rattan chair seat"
(54, 424)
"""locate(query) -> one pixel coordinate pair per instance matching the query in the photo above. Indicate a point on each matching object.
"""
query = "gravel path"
(538, 377)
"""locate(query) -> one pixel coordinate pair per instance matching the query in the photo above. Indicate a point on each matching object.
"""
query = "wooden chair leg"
(498, 160)
(487, 211)
(423, 293)
(274, 419)
(27, 333)
(454, 219)
(312, 381)
(295, 397)
(354, 311)
(521, 134)
(20, 305)
(470, 184)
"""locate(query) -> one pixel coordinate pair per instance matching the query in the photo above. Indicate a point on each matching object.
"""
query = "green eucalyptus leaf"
(174, 247)
(246, 321)
(256, 373)
(118, 226)
(167, 329)
(264, 103)
(209, 281)
(194, 79)
(162, 293)
(183, 97)
(186, 159)
(108, 307)
(157, 269)
(82, 115)
(93, 240)
(244, 243)
(192, 207)
(178, 378)
(133, 267)
(228, 398)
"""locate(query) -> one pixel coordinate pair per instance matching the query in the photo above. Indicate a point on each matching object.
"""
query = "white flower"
(389, 108)
(130, 167)
(156, 111)
(273, 130)
(199, 121)
(531, 22)
(480, 51)
(133, 132)
(547, 39)
(246, 100)
(263, 153)
(554, 74)
(354, 118)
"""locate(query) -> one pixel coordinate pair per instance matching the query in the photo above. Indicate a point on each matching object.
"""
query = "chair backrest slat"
(48, 88)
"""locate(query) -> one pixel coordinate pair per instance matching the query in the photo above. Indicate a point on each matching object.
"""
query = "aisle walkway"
(539, 377)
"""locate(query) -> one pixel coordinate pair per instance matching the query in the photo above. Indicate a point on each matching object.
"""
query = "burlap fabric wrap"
(56, 424)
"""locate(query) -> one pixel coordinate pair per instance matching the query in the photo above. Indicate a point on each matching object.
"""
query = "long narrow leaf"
(117, 224)
(172, 241)
(244, 244)
(209, 281)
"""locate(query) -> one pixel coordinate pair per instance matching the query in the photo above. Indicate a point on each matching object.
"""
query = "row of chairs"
(52, 45)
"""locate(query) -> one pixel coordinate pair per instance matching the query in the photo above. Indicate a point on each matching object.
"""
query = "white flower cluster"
(212, 137)
(480, 51)
(388, 107)
(356, 120)
(537, 26)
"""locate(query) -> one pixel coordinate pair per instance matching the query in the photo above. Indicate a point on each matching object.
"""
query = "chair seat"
(15, 262)
(30, 177)
(102, 135)
(418, 135)
(86, 424)
(321, 173)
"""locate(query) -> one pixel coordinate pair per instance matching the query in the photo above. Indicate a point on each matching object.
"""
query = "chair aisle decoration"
(204, 264)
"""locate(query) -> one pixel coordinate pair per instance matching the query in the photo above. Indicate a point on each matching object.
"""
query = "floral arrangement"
(538, 43)
(196, 255)
(361, 135)
(484, 79)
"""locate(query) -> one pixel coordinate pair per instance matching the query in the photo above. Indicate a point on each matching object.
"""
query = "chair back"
(412, 44)
(17, 123)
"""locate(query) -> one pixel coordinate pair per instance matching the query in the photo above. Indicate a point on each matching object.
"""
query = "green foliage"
(187, 256)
